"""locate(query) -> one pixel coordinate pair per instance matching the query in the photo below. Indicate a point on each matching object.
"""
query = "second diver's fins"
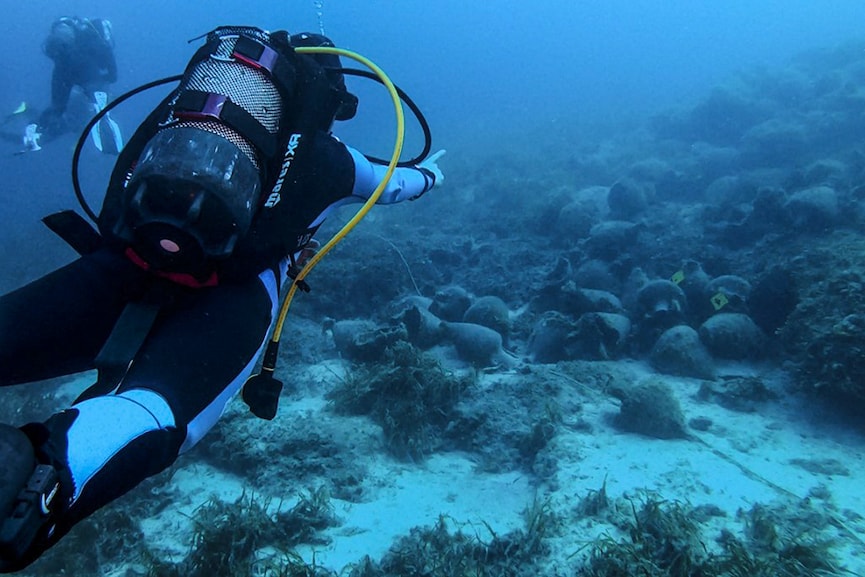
(110, 135)
(106, 134)
(22, 108)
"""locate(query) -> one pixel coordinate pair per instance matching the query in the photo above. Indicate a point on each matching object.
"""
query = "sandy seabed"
(778, 456)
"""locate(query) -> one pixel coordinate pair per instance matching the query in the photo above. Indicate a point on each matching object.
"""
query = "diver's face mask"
(196, 186)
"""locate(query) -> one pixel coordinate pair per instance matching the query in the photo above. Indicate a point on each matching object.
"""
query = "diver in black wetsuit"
(209, 207)
(83, 53)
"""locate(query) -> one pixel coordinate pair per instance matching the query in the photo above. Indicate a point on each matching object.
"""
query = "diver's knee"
(84, 457)
(138, 422)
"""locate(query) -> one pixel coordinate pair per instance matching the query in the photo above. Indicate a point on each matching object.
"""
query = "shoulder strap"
(77, 232)
(122, 345)
(129, 333)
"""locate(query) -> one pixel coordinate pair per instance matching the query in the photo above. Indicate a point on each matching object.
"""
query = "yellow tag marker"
(719, 301)
(678, 277)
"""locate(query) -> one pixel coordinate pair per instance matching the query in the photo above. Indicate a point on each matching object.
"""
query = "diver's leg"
(57, 324)
(194, 361)
(50, 327)
(200, 357)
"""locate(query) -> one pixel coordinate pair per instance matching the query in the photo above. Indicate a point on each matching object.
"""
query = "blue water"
(489, 75)
(478, 69)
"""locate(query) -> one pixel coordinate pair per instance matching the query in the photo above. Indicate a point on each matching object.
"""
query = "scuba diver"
(209, 211)
(83, 53)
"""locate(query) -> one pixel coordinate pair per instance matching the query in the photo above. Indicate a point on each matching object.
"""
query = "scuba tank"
(189, 185)
(198, 192)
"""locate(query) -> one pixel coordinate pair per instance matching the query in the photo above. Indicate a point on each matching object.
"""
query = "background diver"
(82, 50)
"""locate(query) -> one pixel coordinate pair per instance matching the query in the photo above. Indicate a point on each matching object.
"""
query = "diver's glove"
(431, 164)
(431, 172)
(31, 138)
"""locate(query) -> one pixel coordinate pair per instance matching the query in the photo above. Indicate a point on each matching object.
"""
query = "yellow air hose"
(367, 206)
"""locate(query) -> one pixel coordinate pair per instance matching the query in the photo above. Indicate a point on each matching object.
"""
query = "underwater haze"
(480, 70)
(625, 337)
(479, 63)
(483, 72)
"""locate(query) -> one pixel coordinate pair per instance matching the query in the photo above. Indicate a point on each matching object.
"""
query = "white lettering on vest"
(290, 150)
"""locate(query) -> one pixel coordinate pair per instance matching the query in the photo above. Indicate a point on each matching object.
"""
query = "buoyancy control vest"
(209, 186)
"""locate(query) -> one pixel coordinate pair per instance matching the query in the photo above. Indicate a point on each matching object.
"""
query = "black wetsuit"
(196, 357)
(87, 63)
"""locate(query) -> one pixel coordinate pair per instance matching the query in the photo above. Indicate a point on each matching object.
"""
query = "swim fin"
(106, 135)
(22, 108)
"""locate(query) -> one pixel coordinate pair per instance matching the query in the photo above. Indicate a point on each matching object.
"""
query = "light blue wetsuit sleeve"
(407, 183)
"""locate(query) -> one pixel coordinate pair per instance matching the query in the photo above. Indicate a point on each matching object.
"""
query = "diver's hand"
(431, 164)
